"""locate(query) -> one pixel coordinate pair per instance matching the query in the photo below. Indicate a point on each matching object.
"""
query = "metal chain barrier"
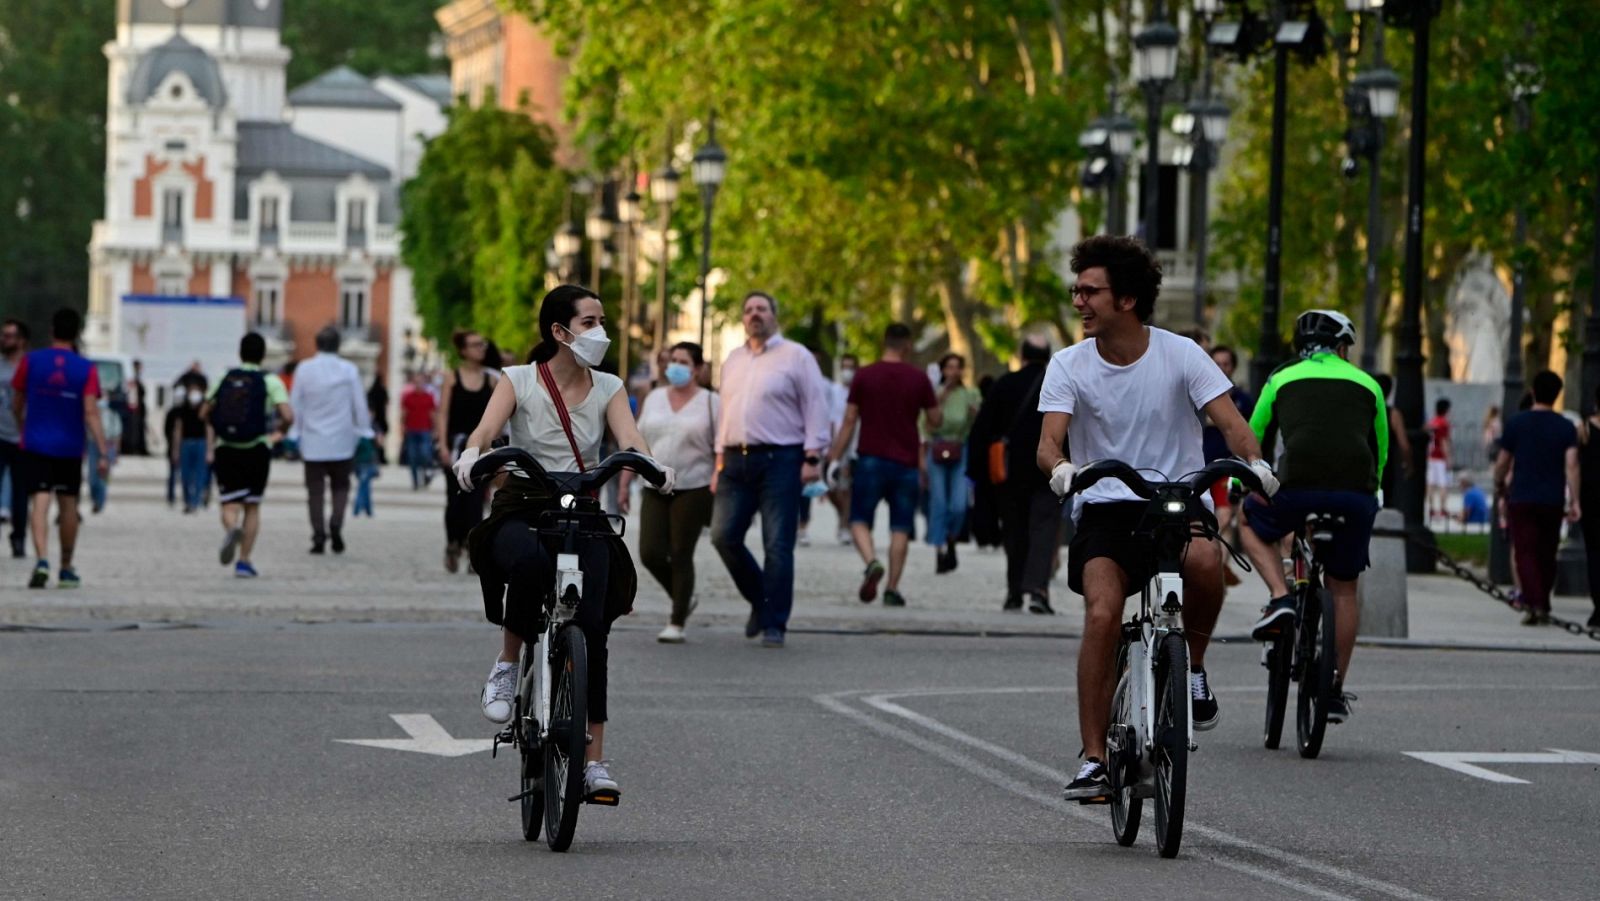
(1495, 591)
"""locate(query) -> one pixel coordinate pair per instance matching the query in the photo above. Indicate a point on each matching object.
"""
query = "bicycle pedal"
(1089, 802)
(604, 799)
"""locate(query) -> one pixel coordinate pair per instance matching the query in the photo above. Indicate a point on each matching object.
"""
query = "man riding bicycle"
(558, 409)
(1334, 428)
(1130, 392)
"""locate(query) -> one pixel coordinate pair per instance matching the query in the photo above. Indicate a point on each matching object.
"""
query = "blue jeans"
(419, 453)
(365, 473)
(947, 499)
(97, 483)
(765, 481)
(193, 471)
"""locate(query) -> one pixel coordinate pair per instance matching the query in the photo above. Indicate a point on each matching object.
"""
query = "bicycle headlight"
(568, 501)
(1175, 506)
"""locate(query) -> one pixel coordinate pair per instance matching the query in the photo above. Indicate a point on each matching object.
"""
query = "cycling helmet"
(1318, 331)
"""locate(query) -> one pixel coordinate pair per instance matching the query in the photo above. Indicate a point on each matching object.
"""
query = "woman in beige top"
(515, 564)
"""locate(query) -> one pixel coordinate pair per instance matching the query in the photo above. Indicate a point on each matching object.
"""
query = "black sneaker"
(1038, 603)
(941, 562)
(1202, 702)
(17, 552)
(892, 598)
(338, 542)
(317, 543)
(752, 626)
(1013, 603)
(951, 563)
(1092, 786)
(1339, 709)
(1273, 617)
(869, 582)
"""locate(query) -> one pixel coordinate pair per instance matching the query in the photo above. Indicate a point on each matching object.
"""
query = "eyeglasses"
(477, 344)
(1084, 292)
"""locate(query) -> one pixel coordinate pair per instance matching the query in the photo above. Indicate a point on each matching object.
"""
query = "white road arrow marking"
(427, 737)
(1465, 762)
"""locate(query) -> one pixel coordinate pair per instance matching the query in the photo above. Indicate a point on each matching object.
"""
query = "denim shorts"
(875, 479)
(1347, 553)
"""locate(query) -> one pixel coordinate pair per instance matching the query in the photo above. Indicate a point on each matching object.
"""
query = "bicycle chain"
(1495, 591)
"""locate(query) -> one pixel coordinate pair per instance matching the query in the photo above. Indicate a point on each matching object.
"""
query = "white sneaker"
(844, 537)
(597, 782)
(804, 538)
(498, 692)
(671, 635)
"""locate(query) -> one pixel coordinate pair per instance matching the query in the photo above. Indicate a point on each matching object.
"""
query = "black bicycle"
(1304, 650)
(550, 722)
(1152, 730)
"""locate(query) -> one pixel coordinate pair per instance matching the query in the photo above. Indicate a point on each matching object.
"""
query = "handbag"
(946, 450)
(999, 448)
(561, 412)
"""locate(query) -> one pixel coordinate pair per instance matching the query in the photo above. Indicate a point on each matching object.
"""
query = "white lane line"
(992, 776)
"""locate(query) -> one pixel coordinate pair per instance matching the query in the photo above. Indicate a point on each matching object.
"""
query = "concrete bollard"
(1382, 592)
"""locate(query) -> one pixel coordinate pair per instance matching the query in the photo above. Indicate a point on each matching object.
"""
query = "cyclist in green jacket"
(1334, 428)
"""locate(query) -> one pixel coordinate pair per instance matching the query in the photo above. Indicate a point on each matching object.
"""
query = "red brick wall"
(144, 282)
(532, 66)
(143, 201)
(200, 280)
(310, 301)
(202, 188)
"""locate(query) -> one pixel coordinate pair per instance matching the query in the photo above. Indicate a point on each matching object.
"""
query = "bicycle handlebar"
(1198, 483)
(521, 462)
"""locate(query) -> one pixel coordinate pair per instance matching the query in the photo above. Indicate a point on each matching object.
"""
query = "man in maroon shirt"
(885, 399)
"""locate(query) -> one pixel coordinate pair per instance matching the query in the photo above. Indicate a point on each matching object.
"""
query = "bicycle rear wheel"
(1316, 676)
(1171, 751)
(1122, 765)
(568, 736)
(1280, 665)
(527, 732)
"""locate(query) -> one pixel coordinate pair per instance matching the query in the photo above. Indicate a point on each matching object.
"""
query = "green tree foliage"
(52, 150)
(887, 160)
(396, 36)
(486, 199)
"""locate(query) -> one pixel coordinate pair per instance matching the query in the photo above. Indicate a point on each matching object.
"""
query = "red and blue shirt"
(54, 382)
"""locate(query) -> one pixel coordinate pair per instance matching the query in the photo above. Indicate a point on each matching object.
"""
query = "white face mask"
(590, 347)
(846, 376)
(195, 397)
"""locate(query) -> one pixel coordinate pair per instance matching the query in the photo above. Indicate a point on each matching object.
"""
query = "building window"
(171, 284)
(269, 302)
(172, 214)
(353, 304)
(269, 213)
(356, 216)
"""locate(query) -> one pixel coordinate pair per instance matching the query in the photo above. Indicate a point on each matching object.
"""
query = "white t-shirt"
(682, 439)
(1144, 414)
(536, 427)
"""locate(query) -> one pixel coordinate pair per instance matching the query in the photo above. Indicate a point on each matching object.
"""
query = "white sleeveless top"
(536, 427)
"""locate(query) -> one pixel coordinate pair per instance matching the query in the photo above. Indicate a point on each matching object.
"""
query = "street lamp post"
(598, 226)
(568, 244)
(629, 214)
(710, 166)
(1155, 62)
(664, 192)
(1373, 97)
(1208, 119)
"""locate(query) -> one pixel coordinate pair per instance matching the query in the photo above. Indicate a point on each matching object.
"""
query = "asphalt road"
(205, 762)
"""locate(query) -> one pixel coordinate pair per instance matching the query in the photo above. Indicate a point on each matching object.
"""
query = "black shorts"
(57, 475)
(1346, 554)
(242, 473)
(1107, 530)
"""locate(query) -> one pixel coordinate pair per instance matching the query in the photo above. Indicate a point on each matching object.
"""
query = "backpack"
(239, 410)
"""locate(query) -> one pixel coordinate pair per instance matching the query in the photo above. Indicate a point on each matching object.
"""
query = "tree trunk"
(959, 312)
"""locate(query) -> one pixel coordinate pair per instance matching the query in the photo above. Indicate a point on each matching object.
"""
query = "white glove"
(1269, 479)
(463, 467)
(1061, 477)
(830, 476)
(669, 482)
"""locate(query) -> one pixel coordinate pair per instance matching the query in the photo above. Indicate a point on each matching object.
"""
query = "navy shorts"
(875, 479)
(1346, 555)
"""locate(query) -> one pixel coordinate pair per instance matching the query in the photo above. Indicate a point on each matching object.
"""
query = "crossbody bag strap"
(561, 412)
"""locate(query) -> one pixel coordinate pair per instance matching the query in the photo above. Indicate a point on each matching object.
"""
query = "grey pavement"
(142, 561)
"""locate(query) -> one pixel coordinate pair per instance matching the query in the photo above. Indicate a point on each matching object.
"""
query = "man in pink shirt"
(770, 442)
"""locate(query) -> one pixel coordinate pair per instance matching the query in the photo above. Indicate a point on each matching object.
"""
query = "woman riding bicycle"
(562, 429)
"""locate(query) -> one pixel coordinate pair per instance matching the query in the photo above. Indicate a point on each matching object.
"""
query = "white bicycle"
(550, 722)
(1152, 731)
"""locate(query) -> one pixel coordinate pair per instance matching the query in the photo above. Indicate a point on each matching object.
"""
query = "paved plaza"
(315, 733)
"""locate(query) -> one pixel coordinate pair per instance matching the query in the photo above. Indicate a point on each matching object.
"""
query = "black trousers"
(1030, 522)
(1591, 546)
(529, 562)
(669, 529)
(335, 474)
(462, 511)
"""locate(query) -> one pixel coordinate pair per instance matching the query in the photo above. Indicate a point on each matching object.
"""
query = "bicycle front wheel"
(1280, 666)
(1316, 676)
(1171, 751)
(568, 737)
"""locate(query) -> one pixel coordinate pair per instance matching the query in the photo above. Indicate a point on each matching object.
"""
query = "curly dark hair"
(1130, 266)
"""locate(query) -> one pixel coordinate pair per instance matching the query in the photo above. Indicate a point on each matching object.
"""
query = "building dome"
(177, 55)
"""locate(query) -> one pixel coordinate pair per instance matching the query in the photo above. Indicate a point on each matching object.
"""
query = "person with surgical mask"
(680, 421)
(506, 551)
(186, 440)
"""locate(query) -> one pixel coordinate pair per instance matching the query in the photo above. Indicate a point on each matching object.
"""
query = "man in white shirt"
(330, 420)
(1131, 392)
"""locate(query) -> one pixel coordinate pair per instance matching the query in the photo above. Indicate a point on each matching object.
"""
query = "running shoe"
(230, 545)
(1278, 612)
(243, 570)
(41, 575)
(498, 692)
(772, 638)
(599, 786)
(68, 578)
(671, 635)
(1038, 603)
(892, 598)
(869, 582)
(1093, 785)
(1202, 702)
(1339, 708)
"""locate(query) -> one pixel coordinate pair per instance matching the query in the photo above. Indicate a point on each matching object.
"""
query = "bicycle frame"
(1160, 614)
